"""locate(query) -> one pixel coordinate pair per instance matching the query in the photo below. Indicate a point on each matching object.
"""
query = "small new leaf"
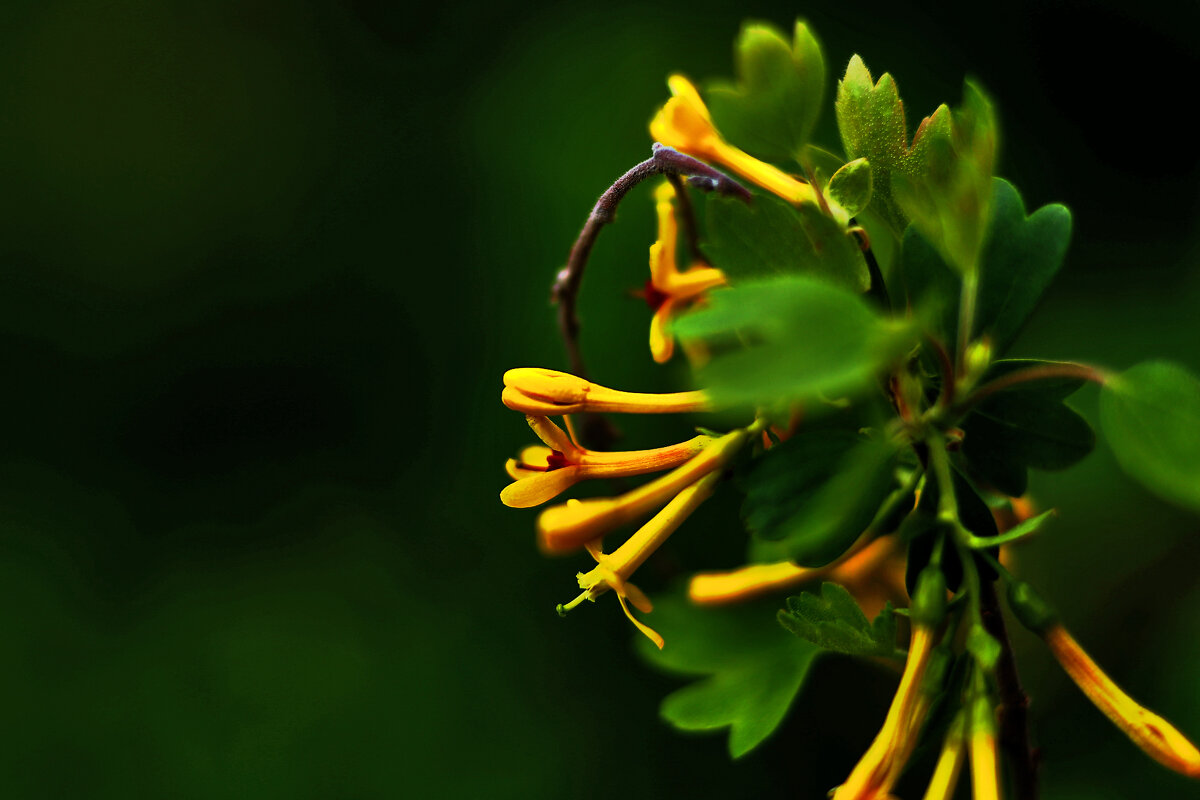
(948, 189)
(751, 670)
(1151, 417)
(1026, 425)
(870, 119)
(850, 187)
(773, 107)
(834, 621)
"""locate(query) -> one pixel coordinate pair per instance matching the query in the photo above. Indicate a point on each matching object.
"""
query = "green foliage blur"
(262, 264)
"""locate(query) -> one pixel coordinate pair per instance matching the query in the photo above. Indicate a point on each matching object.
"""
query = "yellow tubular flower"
(1159, 738)
(547, 392)
(567, 527)
(985, 765)
(669, 289)
(866, 569)
(945, 774)
(543, 472)
(880, 766)
(684, 123)
(613, 570)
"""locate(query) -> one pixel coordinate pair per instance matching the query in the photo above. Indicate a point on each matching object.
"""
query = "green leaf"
(1017, 532)
(772, 238)
(850, 187)
(1021, 257)
(793, 338)
(1025, 425)
(1151, 416)
(948, 189)
(752, 668)
(870, 119)
(834, 621)
(815, 494)
(772, 109)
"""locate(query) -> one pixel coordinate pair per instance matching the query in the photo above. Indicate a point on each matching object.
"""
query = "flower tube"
(685, 124)
(547, 392)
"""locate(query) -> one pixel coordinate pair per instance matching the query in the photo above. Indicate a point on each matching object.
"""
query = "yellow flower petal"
(662, 344)
(985, 768)
(537, 488)
(1153, 734)
(545, 392)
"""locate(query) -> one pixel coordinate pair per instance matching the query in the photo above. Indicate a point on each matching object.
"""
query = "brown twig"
(565, 291)
(1014, 703)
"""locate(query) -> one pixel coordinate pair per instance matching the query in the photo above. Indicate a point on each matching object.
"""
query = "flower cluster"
(918, 472)
(542, 472)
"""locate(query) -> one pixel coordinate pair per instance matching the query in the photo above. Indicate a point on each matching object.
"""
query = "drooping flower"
(985, 763)
(542, 472)
(547, 392)
(949, 764)
(685, 124)
(668, 289)
(567, 527)
(613, 570)
(1153, 734)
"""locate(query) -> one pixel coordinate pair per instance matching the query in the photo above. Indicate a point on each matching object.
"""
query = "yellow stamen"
(1157, 737)
(547, 392)
(945, 774)
(567, 527)
(613, 570)
(880, 766)
(685, 124)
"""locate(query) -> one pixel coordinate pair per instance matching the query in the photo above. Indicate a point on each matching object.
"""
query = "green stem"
(966, 315)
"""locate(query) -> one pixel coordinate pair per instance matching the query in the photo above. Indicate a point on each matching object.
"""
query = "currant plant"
(847, 316)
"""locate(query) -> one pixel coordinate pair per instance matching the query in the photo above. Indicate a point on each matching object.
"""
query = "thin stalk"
(565, 290)
(1041, 372)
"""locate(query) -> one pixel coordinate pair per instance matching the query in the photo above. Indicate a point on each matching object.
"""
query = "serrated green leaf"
(834, 621)
(773, 107)
(870, 118)
(752, 668)
(1021, 257)
(793, 338)
(947, 191)
(773, 238)
(1026, 425)
(815, 498)
(1151, 417)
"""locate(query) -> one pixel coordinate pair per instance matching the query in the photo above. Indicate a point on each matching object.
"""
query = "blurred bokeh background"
(262, 264)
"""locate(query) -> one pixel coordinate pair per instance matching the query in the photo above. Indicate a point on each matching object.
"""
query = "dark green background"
(262, 264)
